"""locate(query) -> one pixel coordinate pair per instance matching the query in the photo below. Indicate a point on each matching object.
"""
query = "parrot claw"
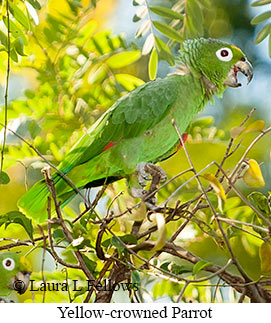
(144, 172)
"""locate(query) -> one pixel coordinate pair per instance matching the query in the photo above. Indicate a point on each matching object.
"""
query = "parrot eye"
(224, 54)
(8, 263)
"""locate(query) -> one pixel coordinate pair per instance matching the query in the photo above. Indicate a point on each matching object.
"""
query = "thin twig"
(68, 235)
(55, 255)
(43, 261)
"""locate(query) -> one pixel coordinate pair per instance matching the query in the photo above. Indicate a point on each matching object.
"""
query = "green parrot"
(15, 273)
(137, 130)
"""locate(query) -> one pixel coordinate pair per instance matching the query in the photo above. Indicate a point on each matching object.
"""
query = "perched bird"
(137, 129)
(15, 273)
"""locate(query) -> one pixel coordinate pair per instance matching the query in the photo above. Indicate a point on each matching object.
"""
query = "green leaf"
(167, 30)
(164, 51)
(265, 256)
(153, 64)
(195, 15)
(260, 201)
(97, 74)
(270, 45)
(263, 33)
(3, 39)
(123, 59)
(13, 55)
(19, 218)
(135, 276)
(58, 235)
(128, 238)
(4, 178)
(200, 265)
(166, 12)
(89, 263)
(191, 31)
(34, 129)
(165, 265)
(82, 291)
(128, 81)
(203, 122)
(260, 3)
(206, 3)
(18, 44)
(15, 30)
(261, 17)
(178, 270)
(19, 15)
(115, 242)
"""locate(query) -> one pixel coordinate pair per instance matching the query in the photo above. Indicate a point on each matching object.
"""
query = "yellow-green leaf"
(18, 44)
(218, 188)
(128, 81)
(153, 64)
(263, 33)
(167, 30)
(18, 15)
(166, 12)
(261, 17)
(257, 125)
(123, 59)
(164, 51)
(97, 74)
(253, 176)
(265, 256)
(160, 221)
(260, 3)
(16, 217)
(200, 265)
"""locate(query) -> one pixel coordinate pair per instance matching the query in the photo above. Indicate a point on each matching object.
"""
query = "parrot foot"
(144, 172)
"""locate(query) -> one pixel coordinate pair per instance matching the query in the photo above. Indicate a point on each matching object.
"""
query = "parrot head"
(15, 273)
(217, 62)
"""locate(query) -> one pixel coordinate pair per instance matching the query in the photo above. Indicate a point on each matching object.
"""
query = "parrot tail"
(34, 203)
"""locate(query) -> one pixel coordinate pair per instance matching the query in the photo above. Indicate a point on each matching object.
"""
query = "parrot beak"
(20, 282)
(242, 66)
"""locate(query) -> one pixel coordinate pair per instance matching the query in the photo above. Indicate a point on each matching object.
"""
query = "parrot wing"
(130, 116)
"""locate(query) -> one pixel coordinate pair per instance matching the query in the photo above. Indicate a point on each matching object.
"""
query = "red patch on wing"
(111, 144)
(184, 137)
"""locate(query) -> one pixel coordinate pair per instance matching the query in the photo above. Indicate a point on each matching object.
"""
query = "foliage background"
(67, 69)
